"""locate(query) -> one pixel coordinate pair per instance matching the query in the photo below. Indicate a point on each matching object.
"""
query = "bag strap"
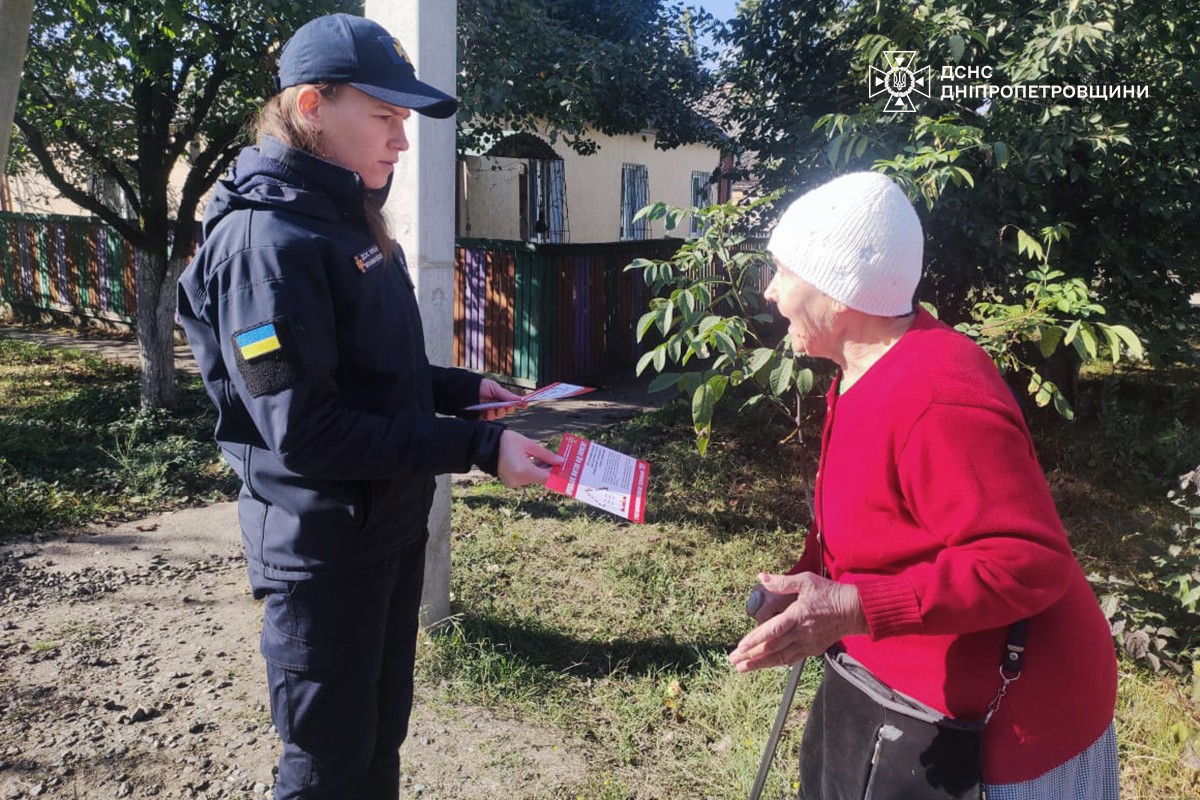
(1014, 650)
(1011, 663)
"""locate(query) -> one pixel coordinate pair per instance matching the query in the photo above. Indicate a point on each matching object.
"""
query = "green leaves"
(759, 358)
(704, 400)
(1133, 345)
(710, 316)
(1079, 119)
(1000, 152)
(958, 47)
(570, 69)
(1028, 246)
(781, 375)
(1049, 337)
(1044, 392)
(1156, 616)
(1055, 311)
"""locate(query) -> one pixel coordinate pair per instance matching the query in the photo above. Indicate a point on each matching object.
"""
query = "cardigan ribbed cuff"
(889, 604)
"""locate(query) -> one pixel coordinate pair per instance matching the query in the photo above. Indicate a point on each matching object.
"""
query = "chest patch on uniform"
(368, 259)
(267, 357)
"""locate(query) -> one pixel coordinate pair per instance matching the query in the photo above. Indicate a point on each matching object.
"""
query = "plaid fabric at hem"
(1091, 775)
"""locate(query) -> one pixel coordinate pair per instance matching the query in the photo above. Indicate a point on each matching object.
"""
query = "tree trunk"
(14, 36)
(156, 289)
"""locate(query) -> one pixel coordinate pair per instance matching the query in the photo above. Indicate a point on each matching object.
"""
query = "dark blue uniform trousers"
(339, 650)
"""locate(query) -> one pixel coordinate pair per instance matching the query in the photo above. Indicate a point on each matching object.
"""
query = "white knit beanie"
(857, 239)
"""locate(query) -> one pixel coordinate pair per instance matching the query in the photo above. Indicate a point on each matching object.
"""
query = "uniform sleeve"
(971, 481)
(275, 308)
(454, 390)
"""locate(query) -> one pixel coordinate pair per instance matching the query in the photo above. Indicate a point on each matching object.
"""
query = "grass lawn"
(75, 448)
(614, 633)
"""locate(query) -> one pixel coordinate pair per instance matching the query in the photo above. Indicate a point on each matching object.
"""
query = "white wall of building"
(32, 192)
(489, 188)
(489, 194)
(594, 182)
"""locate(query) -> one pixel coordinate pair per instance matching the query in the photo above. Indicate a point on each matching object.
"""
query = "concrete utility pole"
(15, 16)
(420, 210)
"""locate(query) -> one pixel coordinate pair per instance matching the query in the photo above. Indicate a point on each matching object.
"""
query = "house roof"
(523, 145)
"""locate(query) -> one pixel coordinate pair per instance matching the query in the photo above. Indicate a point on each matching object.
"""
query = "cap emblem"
(396, 50)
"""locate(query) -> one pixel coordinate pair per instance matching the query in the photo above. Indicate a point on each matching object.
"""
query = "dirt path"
(129, 667)
(129, 661)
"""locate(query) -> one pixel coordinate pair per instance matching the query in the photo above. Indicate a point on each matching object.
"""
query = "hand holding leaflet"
(553, 391)
(600, 477)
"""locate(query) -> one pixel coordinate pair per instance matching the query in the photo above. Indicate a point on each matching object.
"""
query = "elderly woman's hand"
(770, 604)
(821, 613)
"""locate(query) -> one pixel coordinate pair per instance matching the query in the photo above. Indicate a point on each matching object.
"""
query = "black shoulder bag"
(866, 741)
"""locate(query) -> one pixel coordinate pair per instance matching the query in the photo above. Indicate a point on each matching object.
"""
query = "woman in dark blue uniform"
(302, 316)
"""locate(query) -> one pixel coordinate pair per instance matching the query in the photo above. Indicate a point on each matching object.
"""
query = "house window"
(635, 184)
(701, 198)
(110, 194)
(544, 202)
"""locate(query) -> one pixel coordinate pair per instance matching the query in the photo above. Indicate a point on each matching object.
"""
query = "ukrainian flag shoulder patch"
(267, 357)
(258, 341)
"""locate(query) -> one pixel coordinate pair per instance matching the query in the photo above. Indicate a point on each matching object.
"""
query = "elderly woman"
(937, 554)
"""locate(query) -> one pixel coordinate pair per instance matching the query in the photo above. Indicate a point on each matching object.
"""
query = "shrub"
(1155, 609)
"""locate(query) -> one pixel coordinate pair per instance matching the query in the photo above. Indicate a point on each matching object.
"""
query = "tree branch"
(185, 70)
(212, 88)
(205, 170)
(88, 147)
(37, 145)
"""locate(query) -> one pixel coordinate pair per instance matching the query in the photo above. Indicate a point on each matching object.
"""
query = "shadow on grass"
(748, 481)
(1110, 470)
(551, 651)
(75, 446)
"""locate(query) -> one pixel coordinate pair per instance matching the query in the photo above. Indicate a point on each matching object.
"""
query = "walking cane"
(753, 603)
(785, 705)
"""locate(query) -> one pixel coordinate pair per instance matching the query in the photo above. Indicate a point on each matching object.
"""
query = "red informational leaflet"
(601, 477)
(552, 391)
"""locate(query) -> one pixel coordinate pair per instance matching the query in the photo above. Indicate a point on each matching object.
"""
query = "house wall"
(594, 182)
(489, 188)
(489, 192)
(30, 192)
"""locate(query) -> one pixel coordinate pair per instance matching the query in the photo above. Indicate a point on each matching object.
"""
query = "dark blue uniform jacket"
(310, 345)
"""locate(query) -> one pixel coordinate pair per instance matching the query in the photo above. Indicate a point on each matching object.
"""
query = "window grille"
(635, 184)
(701, 198)
(546, 215)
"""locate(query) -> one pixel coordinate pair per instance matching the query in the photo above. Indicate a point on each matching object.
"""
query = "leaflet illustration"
(601, 477)
(552, 391)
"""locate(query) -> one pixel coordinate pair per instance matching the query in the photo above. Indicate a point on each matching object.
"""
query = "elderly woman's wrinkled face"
(811, 314)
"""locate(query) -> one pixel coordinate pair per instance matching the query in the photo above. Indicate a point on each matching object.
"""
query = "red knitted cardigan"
(930, 500)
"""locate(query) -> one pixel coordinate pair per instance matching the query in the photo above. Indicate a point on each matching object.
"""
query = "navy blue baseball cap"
(342, 48)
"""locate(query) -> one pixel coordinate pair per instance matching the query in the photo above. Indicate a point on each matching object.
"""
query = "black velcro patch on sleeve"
(267, 356)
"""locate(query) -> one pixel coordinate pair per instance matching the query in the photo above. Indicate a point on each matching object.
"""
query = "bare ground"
(129, 661)
(129, 667)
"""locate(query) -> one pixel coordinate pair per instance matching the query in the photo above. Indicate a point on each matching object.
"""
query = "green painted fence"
(529, 314)
(534, 314)
(75, 265)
